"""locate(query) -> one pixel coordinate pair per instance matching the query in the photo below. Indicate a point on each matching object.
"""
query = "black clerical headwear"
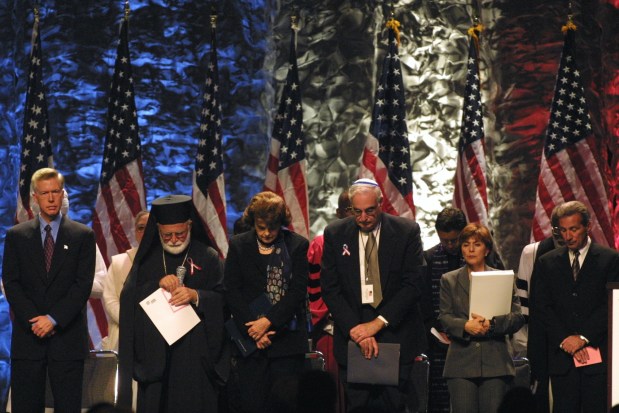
(172, 209)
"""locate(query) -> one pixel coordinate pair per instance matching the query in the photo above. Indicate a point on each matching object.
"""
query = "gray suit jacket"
(469, 356)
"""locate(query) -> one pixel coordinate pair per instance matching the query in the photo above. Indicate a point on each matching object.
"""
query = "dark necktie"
(576, 265)
(372, 272)
(48, 247)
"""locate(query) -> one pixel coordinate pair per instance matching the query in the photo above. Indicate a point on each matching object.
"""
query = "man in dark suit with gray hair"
(371, 276)
(48, 270)
(571, 305)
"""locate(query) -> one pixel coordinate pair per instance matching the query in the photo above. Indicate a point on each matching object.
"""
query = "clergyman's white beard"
(176, 249)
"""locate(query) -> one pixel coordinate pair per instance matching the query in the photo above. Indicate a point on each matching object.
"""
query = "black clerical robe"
(186, 375)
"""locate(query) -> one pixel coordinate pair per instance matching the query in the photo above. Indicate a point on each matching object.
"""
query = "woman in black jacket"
(265, 280)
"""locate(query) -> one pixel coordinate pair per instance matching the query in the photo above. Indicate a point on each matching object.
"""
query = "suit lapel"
(350, 243)
(590, 260)
(38, 255)
(463, 280)
(385, 249)
(563, 265)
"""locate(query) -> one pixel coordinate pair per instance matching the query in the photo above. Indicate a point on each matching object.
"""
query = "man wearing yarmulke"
(371, 282)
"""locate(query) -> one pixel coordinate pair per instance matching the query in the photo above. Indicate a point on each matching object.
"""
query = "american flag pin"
(345, 250)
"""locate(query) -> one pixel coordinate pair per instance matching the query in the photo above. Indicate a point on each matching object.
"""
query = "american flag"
(569, 168)
(121, 192)
(209, 194)
(286, 167)
(386, 156)
(37, 143)
(470, 180)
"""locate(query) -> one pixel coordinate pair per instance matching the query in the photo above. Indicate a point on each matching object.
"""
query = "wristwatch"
(583, 338)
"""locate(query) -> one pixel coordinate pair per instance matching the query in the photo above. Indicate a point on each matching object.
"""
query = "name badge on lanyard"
(367, 294)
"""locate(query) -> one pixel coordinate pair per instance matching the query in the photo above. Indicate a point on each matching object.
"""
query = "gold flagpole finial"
(213, 15)
(294, 21)
(394, 25)
(127, 9)
(570, 22)
(476, 29)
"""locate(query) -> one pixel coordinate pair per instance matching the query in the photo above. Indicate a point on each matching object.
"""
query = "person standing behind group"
(478, 367)
(571, 304)
(48, 269)
(113, 284)
(441, 258)
(380, 305)
(267, 263)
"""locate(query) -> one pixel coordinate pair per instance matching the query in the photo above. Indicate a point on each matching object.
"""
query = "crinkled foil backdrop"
(340, 46)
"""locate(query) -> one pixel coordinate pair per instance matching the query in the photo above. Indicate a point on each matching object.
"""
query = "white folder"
(491, 293)
(172, 322)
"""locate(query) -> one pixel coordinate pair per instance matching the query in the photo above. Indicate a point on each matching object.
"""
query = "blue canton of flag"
(472, 128)
(286, 166)
(288, 127)
(570, 167)
(37, 143)
(209, 159)
(569, 116)
(389, 121)
(386, 156)
(470, 188)
(122, 143)
(209, 195)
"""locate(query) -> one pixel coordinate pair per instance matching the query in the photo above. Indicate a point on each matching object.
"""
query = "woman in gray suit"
(478, 367)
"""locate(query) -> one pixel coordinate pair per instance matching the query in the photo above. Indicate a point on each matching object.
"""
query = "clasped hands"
(575, 346)
(477, 326)
(258, 330)
(363, 334)
(181, 295)
(42, 326)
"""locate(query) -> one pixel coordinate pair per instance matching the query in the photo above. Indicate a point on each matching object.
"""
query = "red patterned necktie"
(576, 265)
(48, 247)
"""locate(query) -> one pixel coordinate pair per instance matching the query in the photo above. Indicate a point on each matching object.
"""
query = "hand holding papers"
(171, 321)
(593, 354)
(491, 293)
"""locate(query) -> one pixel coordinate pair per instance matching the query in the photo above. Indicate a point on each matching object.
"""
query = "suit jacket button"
(477, 344)
(574, 294)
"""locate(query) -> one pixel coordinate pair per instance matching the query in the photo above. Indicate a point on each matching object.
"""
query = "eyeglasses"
(368, 211)
(167, 236)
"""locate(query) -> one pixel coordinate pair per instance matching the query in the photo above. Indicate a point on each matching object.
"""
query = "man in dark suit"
(380, 305)
(571, 303)
(48, 264)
